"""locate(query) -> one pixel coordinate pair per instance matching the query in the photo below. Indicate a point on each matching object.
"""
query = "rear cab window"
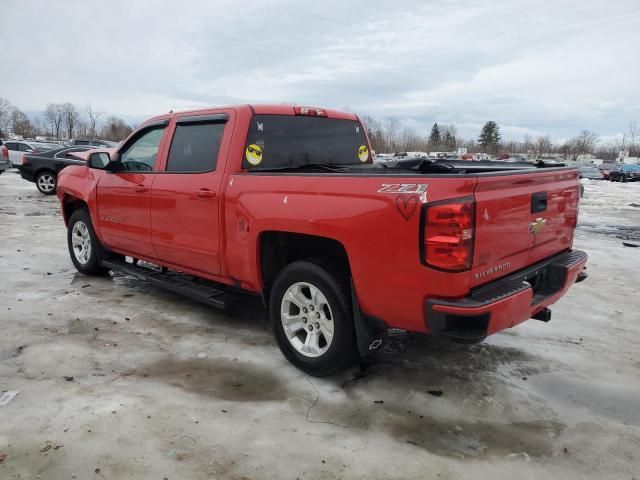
(288, 141)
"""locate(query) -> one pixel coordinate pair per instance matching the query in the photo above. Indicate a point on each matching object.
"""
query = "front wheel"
(46, 182)
(83, 244)
(312, 319)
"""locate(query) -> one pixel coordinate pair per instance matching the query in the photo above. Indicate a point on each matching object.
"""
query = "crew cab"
(286, 203)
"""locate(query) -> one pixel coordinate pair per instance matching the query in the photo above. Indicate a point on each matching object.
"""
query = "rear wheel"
(83, 244)
(46, 182)
(312, 319)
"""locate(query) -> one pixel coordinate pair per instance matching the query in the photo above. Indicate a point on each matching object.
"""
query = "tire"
(46, 182)
(314, 303)
(623, 179)
(83, 244)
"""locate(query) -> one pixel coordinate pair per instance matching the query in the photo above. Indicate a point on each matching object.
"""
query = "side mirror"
(102, 161)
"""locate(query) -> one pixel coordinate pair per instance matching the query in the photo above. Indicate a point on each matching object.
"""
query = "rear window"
(283, 141)
(195, 147)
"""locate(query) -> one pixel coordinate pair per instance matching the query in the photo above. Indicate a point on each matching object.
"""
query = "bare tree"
(116, 129)
(5, 115)
(20, 123)
(54, 115)
(92, 116)
(69, 117)
(541, 145)
(374, 132)
(390, 130)
(583, 143)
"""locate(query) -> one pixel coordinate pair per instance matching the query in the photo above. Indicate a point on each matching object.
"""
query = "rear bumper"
(508, 301)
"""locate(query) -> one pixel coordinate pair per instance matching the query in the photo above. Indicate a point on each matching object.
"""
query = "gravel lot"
(163, 387)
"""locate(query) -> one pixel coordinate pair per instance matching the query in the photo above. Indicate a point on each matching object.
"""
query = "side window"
(23, 147)
(194, 147)
(11, 146)
(141, 155)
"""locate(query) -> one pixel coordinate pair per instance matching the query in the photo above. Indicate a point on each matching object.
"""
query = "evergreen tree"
(450, 140)
(435, 139)
(490, 135)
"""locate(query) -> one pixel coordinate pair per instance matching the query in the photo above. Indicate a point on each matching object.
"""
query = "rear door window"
(194, 147)
(288, 141)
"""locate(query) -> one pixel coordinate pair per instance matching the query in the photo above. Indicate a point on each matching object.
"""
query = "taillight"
(448, 230)
(25, 160)
(5, 152)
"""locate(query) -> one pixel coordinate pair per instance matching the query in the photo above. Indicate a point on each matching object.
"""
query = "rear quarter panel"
(379, 231)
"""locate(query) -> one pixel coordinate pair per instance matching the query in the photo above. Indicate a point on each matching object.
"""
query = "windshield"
(286, 141)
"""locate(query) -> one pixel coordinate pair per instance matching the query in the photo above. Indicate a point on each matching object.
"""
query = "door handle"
(141, 189)
(205, 193)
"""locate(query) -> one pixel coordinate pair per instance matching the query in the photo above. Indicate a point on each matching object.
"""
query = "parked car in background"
(606, 168)
(591, 172)
(42, 168)
(17, 148)
(4, 158)
(625, 173)
(95, 143)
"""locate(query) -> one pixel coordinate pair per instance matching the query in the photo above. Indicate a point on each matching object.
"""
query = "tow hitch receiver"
(543, 315)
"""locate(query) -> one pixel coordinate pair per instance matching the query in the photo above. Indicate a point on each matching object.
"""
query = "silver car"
(17, 148)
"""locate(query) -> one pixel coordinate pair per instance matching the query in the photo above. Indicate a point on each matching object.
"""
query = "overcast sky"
(544, 66)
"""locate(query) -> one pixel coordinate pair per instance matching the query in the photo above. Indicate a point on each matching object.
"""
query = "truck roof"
(261, 109)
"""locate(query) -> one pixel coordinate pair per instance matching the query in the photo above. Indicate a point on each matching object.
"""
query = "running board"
(176, 282)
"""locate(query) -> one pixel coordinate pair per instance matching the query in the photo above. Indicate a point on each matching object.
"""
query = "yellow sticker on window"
(363, 153)
(253, 154)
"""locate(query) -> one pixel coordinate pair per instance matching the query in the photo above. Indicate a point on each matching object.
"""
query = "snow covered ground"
(165, 388)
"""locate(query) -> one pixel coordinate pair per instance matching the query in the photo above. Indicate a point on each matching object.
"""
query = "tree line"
(388, 135)
(63, 121)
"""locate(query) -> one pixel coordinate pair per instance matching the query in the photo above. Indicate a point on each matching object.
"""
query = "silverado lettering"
(287, 203)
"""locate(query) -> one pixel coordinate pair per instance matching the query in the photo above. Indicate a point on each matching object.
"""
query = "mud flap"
(371, 333)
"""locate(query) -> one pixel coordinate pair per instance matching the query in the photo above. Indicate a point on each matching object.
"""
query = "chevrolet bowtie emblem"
(537, 226)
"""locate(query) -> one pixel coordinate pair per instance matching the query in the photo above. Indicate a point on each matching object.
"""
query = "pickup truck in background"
(286, 202)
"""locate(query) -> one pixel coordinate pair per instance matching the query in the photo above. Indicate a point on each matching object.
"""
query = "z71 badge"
(403, 188)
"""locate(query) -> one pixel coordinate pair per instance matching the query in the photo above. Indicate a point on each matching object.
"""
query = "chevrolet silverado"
(286, 203)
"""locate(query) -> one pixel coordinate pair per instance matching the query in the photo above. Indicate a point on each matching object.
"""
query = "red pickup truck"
(287, 203)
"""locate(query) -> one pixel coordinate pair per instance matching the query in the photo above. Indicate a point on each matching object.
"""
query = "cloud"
(544, 67)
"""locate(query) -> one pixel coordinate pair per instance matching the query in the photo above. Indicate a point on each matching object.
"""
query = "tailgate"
(522, 219)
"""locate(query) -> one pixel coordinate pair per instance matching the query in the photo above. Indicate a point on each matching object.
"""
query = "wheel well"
(69, 205)
(278, 249)
(43, 170)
